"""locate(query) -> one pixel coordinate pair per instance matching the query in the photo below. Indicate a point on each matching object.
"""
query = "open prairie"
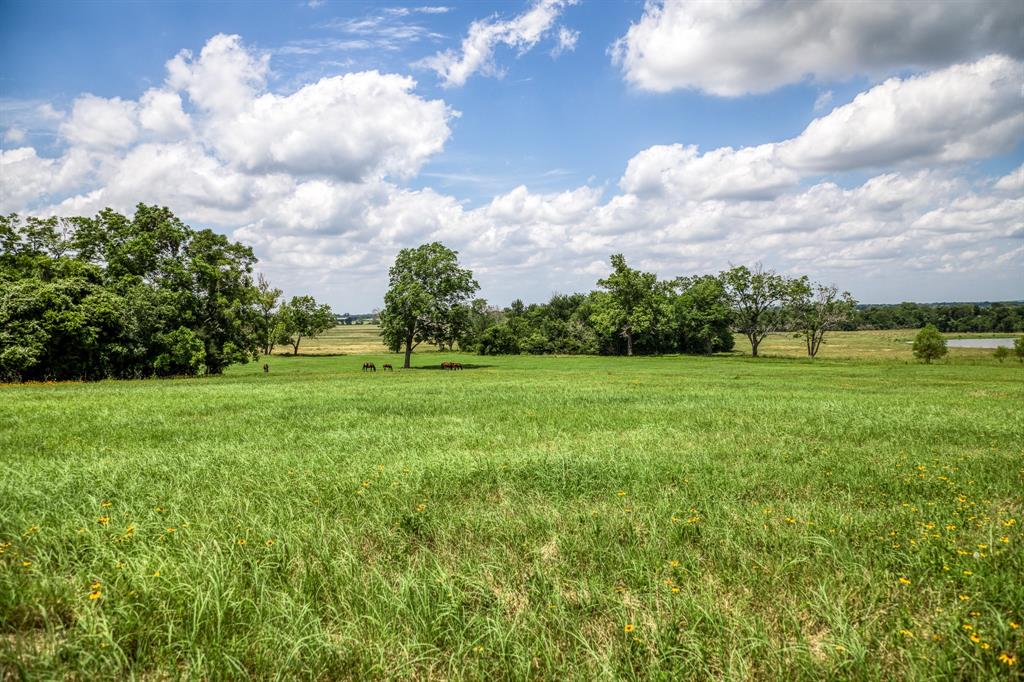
(528, 517)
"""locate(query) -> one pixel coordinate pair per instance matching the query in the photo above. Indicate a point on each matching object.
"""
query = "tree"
(816, 309)
(758, 299)
(302, 317)
(929, 344)
(632, 303)
(1002, 352)
(702, 316)
(426, 296)
(266, 301)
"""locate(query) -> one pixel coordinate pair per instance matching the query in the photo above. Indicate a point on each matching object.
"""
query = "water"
(979, 343)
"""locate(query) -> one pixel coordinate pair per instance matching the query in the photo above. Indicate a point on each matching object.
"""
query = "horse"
(388, 368)
(456, 365)
(266, 368)
(447, 365)
(369, 367)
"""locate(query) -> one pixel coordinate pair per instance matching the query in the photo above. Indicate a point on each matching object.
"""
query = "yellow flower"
(904, 581)
(968, 572)
(103, 520)
(478, 649)
(1009, 522)
(26, 564)
(241, 541)
(840, 647)
(964, 597)
(95, 585)
(1007, 659)
(975, 638)
(1004, 539)
(675, 589)
(621, 493)
(156, 574)
(105, 504)
(967, 626)
(984, 645)
(170, 530)
(1013, 625)
(270, 543)
(906, 633)
(95, 594)
(673, 563)
(790, 519)
(629, 628)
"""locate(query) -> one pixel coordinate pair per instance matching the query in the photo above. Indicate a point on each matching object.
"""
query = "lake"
(979, 343)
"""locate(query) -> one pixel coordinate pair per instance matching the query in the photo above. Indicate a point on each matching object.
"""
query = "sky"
(878, 146)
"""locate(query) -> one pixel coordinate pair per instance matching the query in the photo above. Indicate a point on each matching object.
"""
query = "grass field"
(527, 518)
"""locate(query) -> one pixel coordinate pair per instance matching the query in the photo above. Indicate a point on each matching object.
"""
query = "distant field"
(527, 518)
(868, 345)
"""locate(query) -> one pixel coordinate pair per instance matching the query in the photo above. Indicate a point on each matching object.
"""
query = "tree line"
(113, 296)
(430, 299)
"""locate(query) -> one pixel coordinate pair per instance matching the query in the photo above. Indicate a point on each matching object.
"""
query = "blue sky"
(686, 135)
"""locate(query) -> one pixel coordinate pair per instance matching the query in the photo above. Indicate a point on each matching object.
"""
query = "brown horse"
(451, 365)
(266, 368)
(388, 368)
(369, 367)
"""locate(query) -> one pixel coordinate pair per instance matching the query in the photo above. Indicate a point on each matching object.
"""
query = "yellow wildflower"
(103, 520)
(906, 633)
(975, 638)
(1007, 659)
(629, 628)
(105, 504)
(904, 581)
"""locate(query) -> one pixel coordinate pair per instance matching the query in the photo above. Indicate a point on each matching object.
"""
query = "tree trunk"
(408, 352)
(629, 343)
(298, 340)
(754, 343)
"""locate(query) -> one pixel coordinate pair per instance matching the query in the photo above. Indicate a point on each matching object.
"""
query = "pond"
(979, 343)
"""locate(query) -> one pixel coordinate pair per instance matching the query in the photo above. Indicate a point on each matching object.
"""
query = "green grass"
(748, 519)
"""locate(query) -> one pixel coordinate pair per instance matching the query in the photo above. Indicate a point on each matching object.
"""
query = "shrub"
(1002, 352)
(184, 354)
(929, 344)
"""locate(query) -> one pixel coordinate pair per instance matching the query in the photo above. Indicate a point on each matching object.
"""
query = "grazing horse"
(451, 365)
(266, 368)
(456, 365)
(369, 367)
(388, 368)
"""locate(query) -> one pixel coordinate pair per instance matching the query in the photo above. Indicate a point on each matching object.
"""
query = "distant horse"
(266, 368)
(451, 365)
(387, 368)
(369, 367)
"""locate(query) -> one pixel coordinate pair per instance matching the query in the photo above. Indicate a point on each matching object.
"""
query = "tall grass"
(555, 518)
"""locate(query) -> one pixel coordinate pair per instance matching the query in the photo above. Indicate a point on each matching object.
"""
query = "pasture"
(527, 518)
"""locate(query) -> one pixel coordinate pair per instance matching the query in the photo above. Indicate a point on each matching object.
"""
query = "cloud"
(477, 50)
(14, 134)
(823, 100)
(567, 39)
(966, 111)
(737, 48)
(101, 123)
(312, 180)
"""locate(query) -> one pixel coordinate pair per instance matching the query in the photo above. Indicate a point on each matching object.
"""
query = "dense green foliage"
(946, 317)
(301, 317)
(113, 296)
(770, 519)
(929, 344)
(426, 299)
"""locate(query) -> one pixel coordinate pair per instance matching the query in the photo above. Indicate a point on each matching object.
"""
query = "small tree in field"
(301, 318)
(426, 298)
(929, 344)
(1018, 348)
(1002, 352)
(816, 309)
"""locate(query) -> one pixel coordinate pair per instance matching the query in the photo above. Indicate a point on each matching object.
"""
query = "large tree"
(702, 316)
(426, 297)
(632, 303)
(818, 308)
(758, 298)
(302, 317)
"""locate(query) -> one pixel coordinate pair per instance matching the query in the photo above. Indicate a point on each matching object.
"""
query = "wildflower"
(170, 530)
(1007, 659)
(421, 508)
(693, 519)
(1004, 539)
(629, 628)
(478, 649)
(621, 493)
(120, 564)
(840, 648)
(1014, 626)
(95, 594)
(904, 581)
(103, 520)
(975, 638)
(985, 645)
(967, 626)
(790, 519)
(906, 633)
(673, 563)
(964, 597)
(95, 585)
(366, 484)
(675, 589)
(156, 574)
(26, 564)
(270, 543)
(105, 504)
(241, 541)
(1009, 522)
(968, 572)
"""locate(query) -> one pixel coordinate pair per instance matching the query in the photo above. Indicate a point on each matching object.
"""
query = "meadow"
(855, 517)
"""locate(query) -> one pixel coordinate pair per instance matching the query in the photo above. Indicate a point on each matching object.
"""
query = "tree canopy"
(123, 296)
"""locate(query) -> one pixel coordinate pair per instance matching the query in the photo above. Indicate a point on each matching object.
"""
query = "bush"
(1002, 352)
(929, 344)
(184, 354)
